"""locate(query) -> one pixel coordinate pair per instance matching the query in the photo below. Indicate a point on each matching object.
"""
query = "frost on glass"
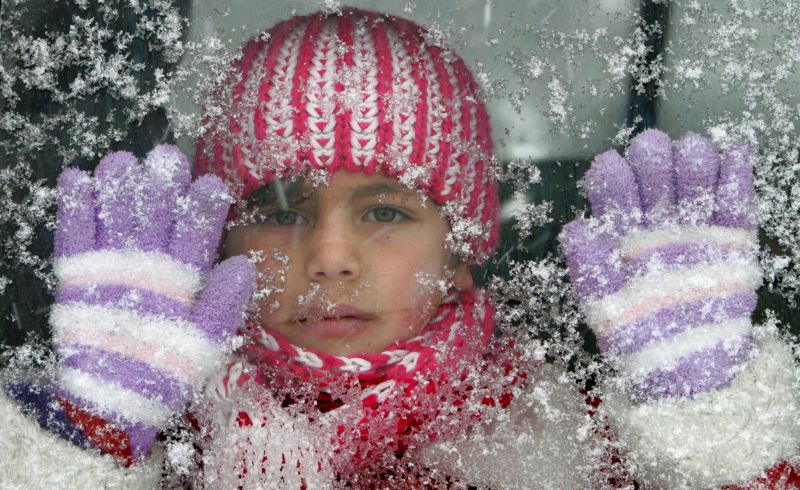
(558, 78)
(76, 81)
(733, 74)
(70, 65)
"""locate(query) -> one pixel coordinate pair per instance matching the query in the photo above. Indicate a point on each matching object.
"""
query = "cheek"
(272, 263)
(411, 274)
(409, 294)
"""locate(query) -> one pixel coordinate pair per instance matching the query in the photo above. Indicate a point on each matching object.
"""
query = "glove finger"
(198, 226)
(75, 218)
(650, 158)
(595, 268)
(611, 187)
(696, 173)
(167, 177)
(118, 177)
(736, 196)
(219, 308)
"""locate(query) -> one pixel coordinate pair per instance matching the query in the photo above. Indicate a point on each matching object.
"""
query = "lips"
(333, 321)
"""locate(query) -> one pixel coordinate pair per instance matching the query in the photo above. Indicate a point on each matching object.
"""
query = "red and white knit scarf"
(410, 394)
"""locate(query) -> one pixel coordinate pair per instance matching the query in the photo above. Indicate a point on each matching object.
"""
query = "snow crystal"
(728, 69)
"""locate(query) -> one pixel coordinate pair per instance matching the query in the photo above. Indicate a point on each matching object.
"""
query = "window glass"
(435, 256)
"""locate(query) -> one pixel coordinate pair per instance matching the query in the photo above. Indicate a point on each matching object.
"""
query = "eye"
(285, 218)
(385, 214)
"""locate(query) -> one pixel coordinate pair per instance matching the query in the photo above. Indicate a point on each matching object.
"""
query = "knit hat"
(359, 91)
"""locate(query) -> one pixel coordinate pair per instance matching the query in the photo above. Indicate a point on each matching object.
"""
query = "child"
(362, 156)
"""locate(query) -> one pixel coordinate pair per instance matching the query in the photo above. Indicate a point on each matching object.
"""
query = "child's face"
(366, 258)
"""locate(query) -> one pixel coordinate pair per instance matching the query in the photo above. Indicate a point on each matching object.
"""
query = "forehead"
(358, 185)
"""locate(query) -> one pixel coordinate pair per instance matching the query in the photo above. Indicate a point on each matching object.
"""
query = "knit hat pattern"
(364, 92)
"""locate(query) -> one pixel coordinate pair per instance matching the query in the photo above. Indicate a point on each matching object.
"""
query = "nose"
(333, 254)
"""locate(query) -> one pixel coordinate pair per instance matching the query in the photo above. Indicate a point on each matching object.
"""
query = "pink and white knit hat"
(359, 91)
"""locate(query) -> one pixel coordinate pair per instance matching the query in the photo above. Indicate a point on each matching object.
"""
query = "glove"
(666, 269)
(140, 320)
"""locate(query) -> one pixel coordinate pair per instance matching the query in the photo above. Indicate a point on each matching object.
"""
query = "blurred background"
(563, 80)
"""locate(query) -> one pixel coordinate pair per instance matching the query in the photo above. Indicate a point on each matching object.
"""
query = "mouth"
(333, 321)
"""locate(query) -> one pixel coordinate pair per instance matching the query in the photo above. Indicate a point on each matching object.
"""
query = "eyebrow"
(280, 193)
(377, 189)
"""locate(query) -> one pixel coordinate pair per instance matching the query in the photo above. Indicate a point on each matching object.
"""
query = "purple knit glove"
(140, 317)
(667, 268)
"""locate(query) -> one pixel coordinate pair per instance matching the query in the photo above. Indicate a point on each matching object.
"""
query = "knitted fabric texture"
(363, 92)
(667, 267)
(413, 393)
(141, 316)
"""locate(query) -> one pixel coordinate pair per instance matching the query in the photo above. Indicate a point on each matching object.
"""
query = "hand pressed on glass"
(667, 267)
(140, 317)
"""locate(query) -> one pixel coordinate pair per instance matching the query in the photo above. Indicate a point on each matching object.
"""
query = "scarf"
(385, 404)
